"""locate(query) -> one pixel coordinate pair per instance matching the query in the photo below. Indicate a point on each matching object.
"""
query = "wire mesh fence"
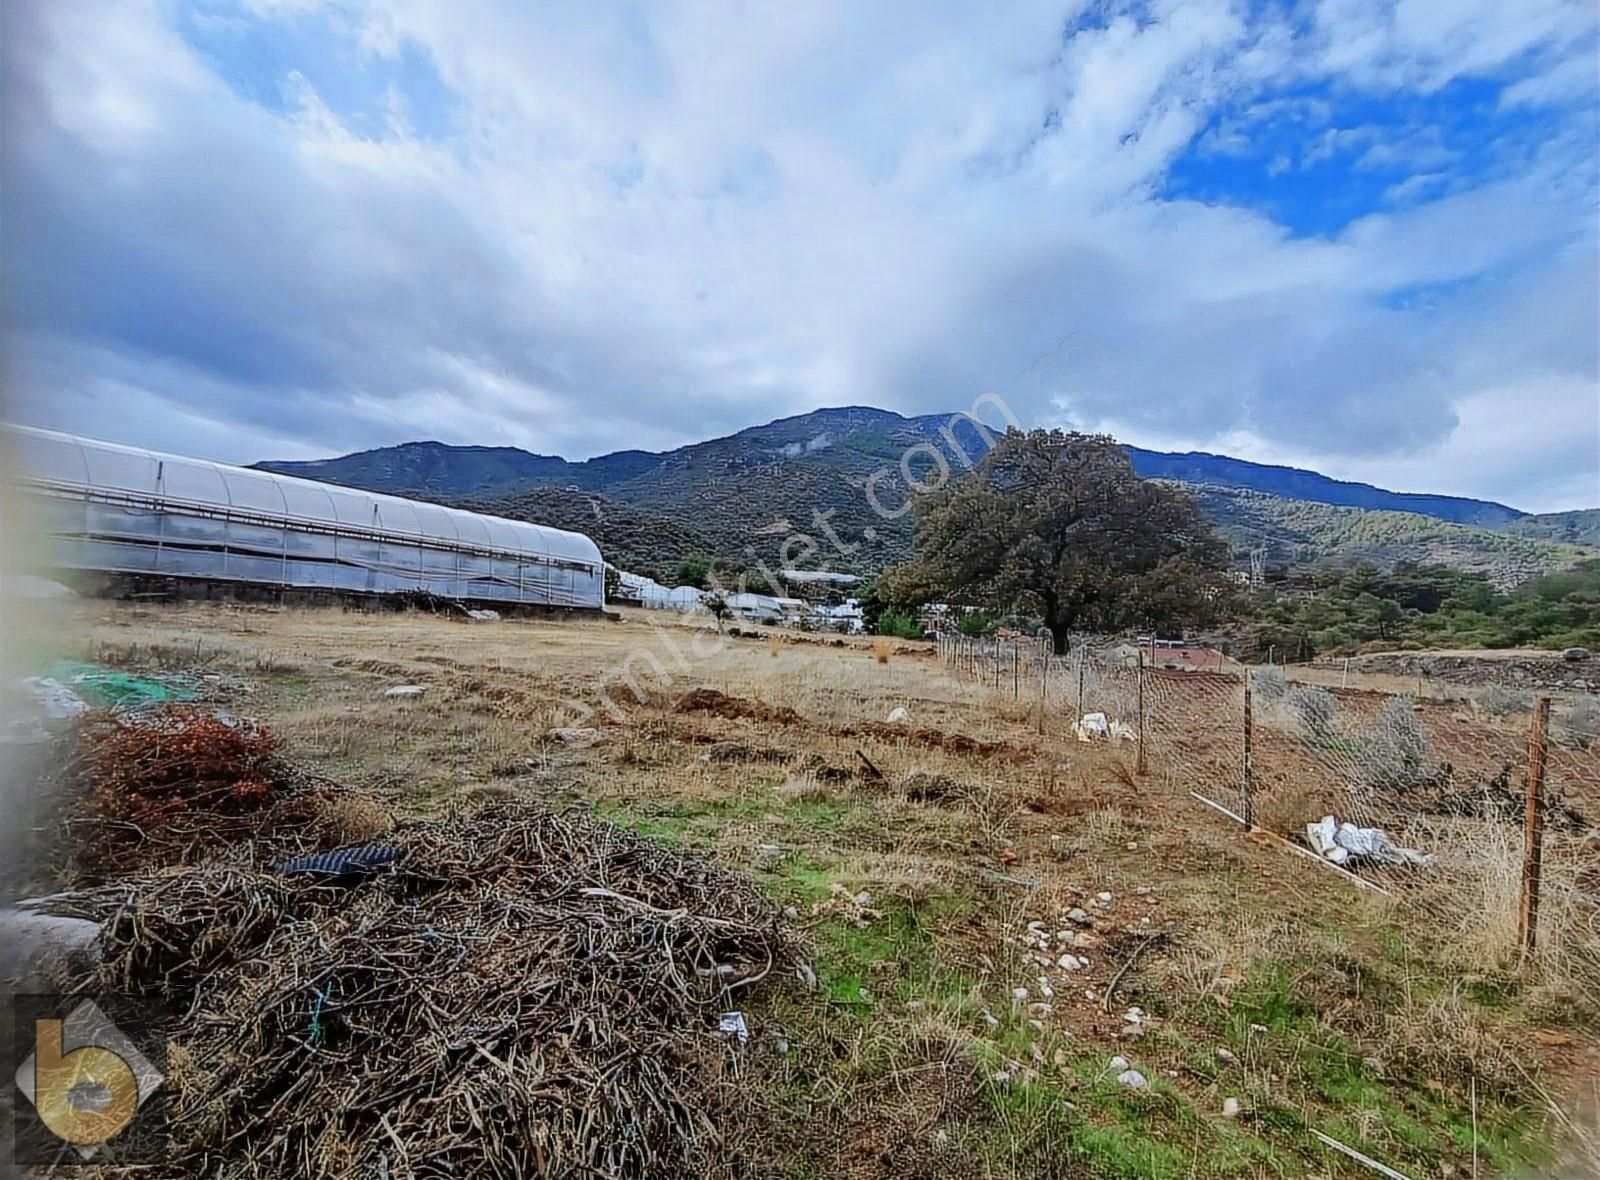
(1450, 776)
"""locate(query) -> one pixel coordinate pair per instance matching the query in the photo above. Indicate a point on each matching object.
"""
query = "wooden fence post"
(1042, 654)
(1016, 670)
(1142, 766)
(1533, 833)
(1247, 770)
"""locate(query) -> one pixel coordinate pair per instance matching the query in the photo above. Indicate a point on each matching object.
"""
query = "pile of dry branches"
(177, 783)
(525, 994)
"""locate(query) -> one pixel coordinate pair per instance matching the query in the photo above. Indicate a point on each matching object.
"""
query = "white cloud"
(651, 225)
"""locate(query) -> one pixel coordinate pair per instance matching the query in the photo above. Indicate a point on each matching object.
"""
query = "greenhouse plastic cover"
(124, 509)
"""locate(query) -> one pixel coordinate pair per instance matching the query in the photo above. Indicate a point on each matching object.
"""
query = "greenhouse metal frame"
(119, 510)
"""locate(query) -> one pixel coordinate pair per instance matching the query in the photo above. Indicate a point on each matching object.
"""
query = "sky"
(1353, 235)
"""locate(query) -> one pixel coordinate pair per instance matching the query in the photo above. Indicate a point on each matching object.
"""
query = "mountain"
(1302, 532)
(740, 497)
(433, 470)
(1293, 483)
(1578, 527)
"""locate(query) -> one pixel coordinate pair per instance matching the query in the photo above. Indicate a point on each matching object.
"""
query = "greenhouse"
(104, 508)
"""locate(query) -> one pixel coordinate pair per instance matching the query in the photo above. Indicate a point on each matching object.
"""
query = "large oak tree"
(1059, 524)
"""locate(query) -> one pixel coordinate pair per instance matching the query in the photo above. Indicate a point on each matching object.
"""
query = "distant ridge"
(721, 497)
(433, 467)
(1294, 483)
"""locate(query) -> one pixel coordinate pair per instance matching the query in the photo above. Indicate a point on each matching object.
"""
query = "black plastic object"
(341, 862)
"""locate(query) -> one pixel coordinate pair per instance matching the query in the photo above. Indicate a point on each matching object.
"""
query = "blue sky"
(1356, 235)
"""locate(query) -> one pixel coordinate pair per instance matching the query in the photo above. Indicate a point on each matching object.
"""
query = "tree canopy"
(1058, 524)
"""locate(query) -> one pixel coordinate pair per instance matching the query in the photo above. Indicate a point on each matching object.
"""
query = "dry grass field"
(1258, 996)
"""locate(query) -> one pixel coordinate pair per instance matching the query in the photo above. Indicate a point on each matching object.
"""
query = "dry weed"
(1473, 897)
(882, 649)
(353, 818)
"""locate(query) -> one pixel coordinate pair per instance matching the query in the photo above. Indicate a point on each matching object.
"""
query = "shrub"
(1398, 749)
(1315, 707)
(692, 571)
(1578, 722)
(975, 623)
(900, 626)
(1499, 701)
(1270, 684)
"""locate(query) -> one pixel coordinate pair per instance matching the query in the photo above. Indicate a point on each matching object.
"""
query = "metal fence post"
(1247, 770)
(1533, 833)
(1082, 652)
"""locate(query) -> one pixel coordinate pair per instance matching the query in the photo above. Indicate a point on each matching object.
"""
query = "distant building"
(846, 617)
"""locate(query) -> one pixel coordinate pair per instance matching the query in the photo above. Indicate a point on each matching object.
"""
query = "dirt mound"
(925, 786)
(741, 752)
(720, 704)
(524, 993)
(938, 739)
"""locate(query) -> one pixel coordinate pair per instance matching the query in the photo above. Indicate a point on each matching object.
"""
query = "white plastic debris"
(732, 1027)
(899, 715)
(53, 699)
(484, 616)
(406, 690)
(1230, 1108)
(1122, 731)
(35, 708)
(1342, 842)
(1093, 727)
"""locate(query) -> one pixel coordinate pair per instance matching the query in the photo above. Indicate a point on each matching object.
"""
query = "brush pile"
(524, 993)
(176, 783)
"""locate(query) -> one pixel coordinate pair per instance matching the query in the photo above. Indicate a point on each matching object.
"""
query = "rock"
(1078, 916)
(1226, 1056)
(406, 690)
(1230, 1108)
(1574, 654)
(41, 952)
(1103, 897)
(1132, 1079)
(863, 899)
(899, 715)
(1118, 1062)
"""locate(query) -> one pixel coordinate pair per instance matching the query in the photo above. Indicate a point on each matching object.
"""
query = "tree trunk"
(1059, 637)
